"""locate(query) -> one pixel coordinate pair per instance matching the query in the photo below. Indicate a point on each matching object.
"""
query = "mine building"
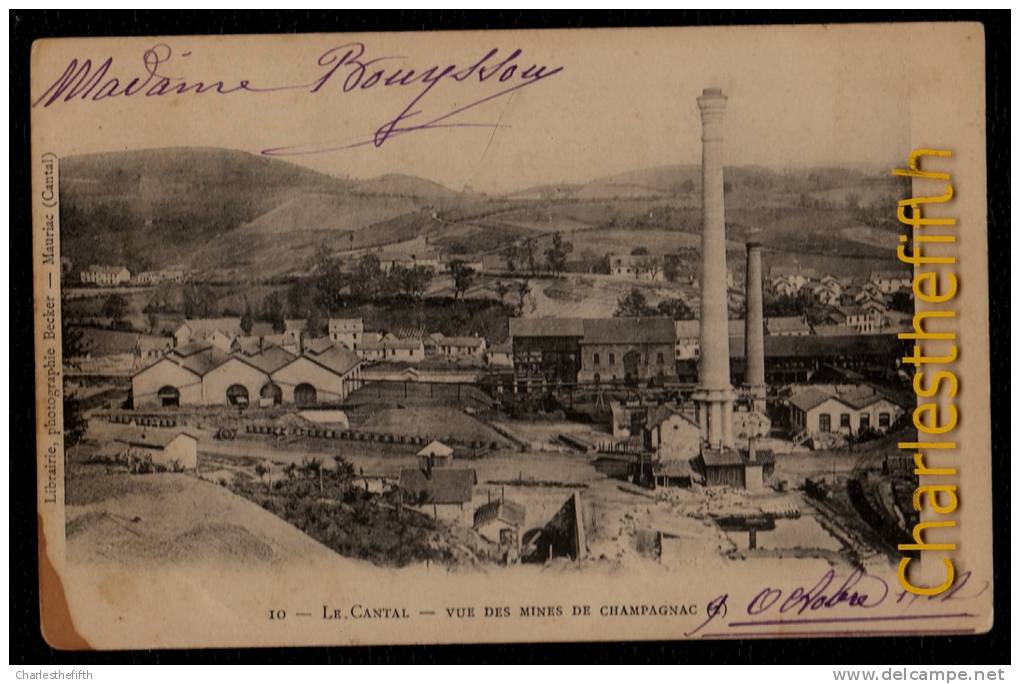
(631, 351)
(547, 349)
(201, 374)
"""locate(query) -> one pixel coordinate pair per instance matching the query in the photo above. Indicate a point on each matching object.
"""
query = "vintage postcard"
(512, 336)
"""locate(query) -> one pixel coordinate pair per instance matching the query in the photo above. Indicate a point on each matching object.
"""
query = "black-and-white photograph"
(493, 337)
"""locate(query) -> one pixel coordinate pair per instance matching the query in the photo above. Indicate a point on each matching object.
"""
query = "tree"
(313, 468)
(676, 309)
(463, 277)
(263, 471)
(648, 264)
(639, 251)
(523, 290)
(633, 305)
(115, 307)
(367, 277)
(344, 474)
(315, 324)
(329, 280)
(413, 281)
(556, 255)
(272, 311)
(199, 301)
(151, 320)
(247, 319)
(75, 346)
(502, 289)
(527, 252)
(511, 253)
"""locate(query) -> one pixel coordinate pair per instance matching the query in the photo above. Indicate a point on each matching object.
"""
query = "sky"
(624, 100)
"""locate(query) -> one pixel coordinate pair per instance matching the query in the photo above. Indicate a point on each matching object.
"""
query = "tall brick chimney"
(715, 395)
(754, 329)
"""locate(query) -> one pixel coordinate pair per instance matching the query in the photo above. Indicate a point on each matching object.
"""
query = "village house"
(156, 277)
(501, 355)
(148, 348)
(866, 318)
(789, 280)
(171, 449)
(388, 347)
(846, 409)
(892, 281)
(670, 435)
(347, 331)
(456, 347)
(99, 274)
(217, 331)
(636, 266)
(628, 350)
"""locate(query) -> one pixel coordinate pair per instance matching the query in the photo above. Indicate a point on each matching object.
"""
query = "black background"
(26, 643)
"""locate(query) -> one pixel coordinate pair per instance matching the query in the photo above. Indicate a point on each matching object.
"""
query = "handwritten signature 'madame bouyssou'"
(346, 68)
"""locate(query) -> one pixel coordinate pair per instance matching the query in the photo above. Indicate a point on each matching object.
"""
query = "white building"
(349, 332)
(846, 409)
(166, 448)
(457, 347)
(892, 281)
(98, 274)
(670, 435)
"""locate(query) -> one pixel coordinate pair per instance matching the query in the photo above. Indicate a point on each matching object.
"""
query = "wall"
(146, 384)
(835, 408)
(328, 385)
(647, 367)
(676, 439)
(234, 371)
(184, 450)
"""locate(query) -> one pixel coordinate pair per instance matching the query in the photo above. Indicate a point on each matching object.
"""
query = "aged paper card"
(512, 336)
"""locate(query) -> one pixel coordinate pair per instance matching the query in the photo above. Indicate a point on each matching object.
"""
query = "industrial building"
(202, 374)
(594, 350)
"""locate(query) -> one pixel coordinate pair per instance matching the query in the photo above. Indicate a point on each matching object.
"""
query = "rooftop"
(271, 359)
(629, 331)
(151, 437)
(444, 486)
(546, 327)
(508, 511)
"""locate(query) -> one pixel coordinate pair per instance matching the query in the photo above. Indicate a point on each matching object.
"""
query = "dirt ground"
(140, 520)
(431, 421)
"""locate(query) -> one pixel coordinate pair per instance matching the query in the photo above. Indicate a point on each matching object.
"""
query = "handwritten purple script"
(346, 68)
(803, 605)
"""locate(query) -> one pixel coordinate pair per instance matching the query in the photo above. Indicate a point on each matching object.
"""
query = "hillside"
(152, 208)
(234, 216)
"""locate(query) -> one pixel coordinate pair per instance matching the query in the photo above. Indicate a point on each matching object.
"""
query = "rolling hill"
(231, 215)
